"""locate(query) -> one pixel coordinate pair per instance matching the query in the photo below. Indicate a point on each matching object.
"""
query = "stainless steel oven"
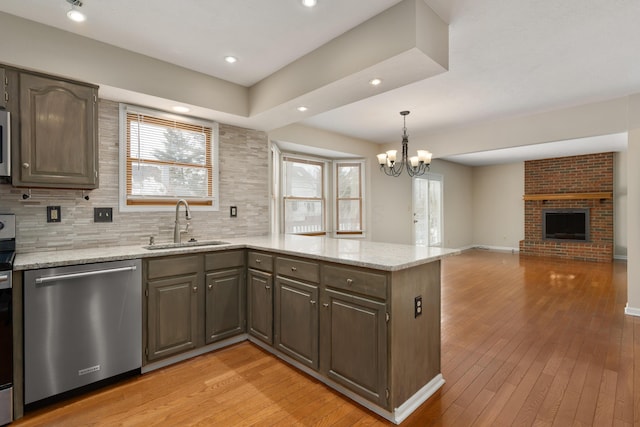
(5, 143)
(7, 253)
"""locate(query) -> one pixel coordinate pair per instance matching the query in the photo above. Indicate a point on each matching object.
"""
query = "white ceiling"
(505, 59)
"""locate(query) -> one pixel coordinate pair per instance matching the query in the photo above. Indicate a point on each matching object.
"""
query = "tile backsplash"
(244, 177)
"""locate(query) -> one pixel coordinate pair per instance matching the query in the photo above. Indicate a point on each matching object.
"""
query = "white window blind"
(168, 158)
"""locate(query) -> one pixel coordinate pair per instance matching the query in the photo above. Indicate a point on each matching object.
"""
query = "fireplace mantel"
(568, 196)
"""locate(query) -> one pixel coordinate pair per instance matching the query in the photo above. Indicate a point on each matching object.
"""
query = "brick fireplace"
(576, 182)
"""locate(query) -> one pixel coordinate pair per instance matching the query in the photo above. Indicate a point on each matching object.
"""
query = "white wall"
(620, 205)
(633, 208)
(498, 208)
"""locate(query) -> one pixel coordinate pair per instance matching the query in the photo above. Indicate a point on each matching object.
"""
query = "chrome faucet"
(177, 233)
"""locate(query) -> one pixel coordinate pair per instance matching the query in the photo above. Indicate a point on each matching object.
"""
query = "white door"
(427, 210)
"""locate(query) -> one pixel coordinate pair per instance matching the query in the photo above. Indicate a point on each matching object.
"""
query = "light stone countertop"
(381, 256)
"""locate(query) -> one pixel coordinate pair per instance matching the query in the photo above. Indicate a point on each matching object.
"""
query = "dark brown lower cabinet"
(224, 311)
(192, 300)
(296, 320)
(172, 316)
(354, 344)
(260, 305)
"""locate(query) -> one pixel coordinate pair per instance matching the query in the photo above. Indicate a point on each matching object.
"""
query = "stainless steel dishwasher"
(82, 324)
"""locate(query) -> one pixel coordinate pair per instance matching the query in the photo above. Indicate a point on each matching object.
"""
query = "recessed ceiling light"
(302, 108)
(375, 82)
(181, 109)
(309, 3)
(230, 59)
(74, 14)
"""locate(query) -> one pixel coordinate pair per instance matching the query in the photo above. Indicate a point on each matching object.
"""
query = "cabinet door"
(296, 320)
(58, 134)
(260, 305)
(224, 312)
(172, 315)
(354, 344)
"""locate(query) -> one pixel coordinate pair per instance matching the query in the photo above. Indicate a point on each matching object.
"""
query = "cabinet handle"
(325, 305)
(312, 302)
(293, 269)
(349, 282)
(258, 260)
(25, 165)
(267, 287)
(195, 289)
(210, 286)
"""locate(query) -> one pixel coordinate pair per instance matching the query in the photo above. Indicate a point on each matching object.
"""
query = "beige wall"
(458, 203)
(600, 118)
(633, 208)
(620, 205)
(498, 208)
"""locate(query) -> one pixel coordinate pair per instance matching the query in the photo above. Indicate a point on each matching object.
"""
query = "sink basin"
(186, 244)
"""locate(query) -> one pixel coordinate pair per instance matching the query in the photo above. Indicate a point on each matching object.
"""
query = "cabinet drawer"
(358, 281)
(174, 266)
(260, 261)
(223, 259)
(309, 271)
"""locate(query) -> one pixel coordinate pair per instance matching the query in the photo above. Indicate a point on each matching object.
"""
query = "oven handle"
(5, 280)
(46, 279)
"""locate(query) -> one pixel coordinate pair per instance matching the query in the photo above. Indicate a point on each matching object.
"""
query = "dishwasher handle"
(46, 279)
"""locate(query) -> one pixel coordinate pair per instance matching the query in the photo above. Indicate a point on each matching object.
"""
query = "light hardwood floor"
(525, 341)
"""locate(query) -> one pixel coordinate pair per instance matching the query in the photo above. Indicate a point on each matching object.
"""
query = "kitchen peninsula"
(362, 317)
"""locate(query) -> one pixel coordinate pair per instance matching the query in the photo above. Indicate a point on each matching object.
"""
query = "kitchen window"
(349, 201)
(303, 194)
(166, 157)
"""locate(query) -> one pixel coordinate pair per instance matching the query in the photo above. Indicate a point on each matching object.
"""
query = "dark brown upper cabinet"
(56, 145)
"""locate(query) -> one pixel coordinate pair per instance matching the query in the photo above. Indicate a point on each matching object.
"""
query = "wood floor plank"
(525, 341)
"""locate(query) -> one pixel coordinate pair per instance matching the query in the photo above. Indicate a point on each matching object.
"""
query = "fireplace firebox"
(565, 224)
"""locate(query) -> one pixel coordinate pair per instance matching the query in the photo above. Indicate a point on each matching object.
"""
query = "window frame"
(149, 203)
(336, 209)
(323, 199)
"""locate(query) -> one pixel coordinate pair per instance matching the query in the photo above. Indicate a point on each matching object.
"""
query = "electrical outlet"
(54, 214)
(417, 306)
(102, 215)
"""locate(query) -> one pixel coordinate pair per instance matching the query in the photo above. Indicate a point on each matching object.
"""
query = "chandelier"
(416, 165)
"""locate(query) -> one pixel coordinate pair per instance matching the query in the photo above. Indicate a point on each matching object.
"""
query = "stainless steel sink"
(186, 244)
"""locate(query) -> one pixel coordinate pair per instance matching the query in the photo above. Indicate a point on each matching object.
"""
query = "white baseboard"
(632, 311)
(497, 248)
(404, 410)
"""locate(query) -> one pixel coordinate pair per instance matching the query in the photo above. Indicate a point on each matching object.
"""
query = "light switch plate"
(54, 214)
(102, 215)
(233, 211)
